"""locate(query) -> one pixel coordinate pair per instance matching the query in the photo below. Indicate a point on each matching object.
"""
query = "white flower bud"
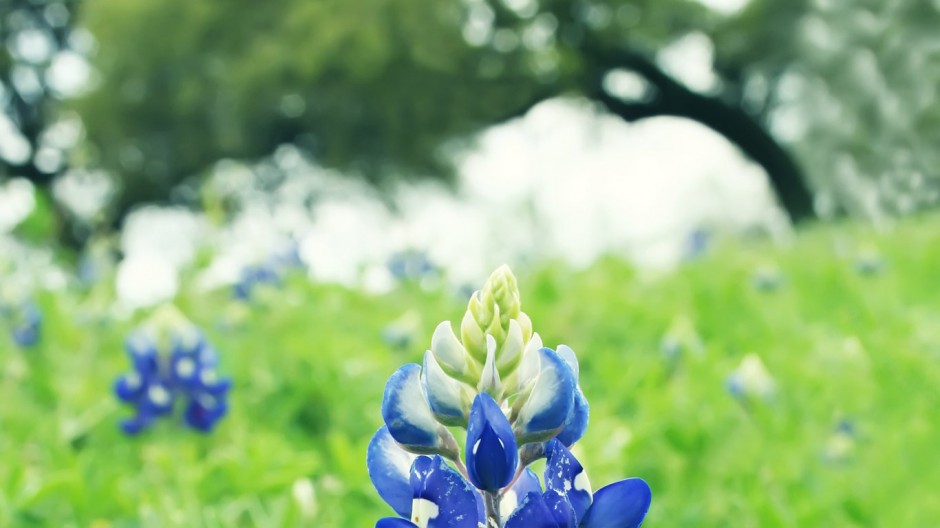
(448, 351)
(489, 380)
(509, 355)
(474, 340)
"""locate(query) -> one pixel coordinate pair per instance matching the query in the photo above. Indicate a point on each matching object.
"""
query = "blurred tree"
(34, 34)
(860, 104)
(378, 87)
(36, 43)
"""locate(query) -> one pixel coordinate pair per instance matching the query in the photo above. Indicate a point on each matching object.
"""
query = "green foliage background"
(309, 369)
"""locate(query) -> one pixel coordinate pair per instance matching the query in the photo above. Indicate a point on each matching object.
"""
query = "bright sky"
(725, 6)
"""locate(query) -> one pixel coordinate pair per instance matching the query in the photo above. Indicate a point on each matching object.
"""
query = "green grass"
(309, 369)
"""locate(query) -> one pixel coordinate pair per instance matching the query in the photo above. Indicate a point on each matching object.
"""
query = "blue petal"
(204, 411)
(406, 412)
(26, 335)
(211, 383)
(548, 404)
(527, 483)
(491, 454)
(390, 468)
(184, 370)
(129, 387)
(561, 509)
(157, 400)
(565, 352)
(533, 513)
(133, 426)
(394, 522)
(453, 498)
(577, 421)
(619, 505)
(143, 353)
(565, 475)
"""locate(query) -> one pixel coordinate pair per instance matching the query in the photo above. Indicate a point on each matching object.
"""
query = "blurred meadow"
(725, 207)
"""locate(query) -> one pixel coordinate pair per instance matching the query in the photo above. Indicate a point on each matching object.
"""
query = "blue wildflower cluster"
(171, 361)
(514, 402)
(411, 264)
(270, 272)
(25, 322)
(253, 276)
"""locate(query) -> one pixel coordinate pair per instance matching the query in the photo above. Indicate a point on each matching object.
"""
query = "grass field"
(848, 326)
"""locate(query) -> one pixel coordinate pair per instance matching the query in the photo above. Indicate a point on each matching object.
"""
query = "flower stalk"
(491, 502)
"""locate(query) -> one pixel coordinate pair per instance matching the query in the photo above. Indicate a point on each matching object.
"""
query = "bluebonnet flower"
(696, 243)
(253, 276)
(25, 321)
(869, 261)
(841, 444)
(411, 264)
(162, 375)
(519, 402)
(751, 380)
(681, 339)
(400, 333)
(98, 260)
(767, 278)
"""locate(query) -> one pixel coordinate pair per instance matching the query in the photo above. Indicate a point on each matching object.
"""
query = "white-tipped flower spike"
(751, 379)
(498, 366)
(449, 399)
(549, 403)
(451, 354)
(409, 418)
(510, 353)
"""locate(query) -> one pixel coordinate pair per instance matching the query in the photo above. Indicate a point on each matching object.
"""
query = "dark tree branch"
(674, 99)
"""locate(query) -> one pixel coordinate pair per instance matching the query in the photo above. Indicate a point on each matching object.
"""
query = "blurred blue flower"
(159, 378)
(411, 264)
(869, 262)
(288, 257)
(696, 244)
(98, 260)
(253, 276)
(400, 333)
(842, 442)
(751, 380)
(767, 278)
(25, 321)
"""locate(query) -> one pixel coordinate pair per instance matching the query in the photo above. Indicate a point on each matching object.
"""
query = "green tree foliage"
(381, 88)
(861, 103)
(368, 85)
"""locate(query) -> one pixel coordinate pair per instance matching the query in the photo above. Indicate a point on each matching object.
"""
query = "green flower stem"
(491, 500)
